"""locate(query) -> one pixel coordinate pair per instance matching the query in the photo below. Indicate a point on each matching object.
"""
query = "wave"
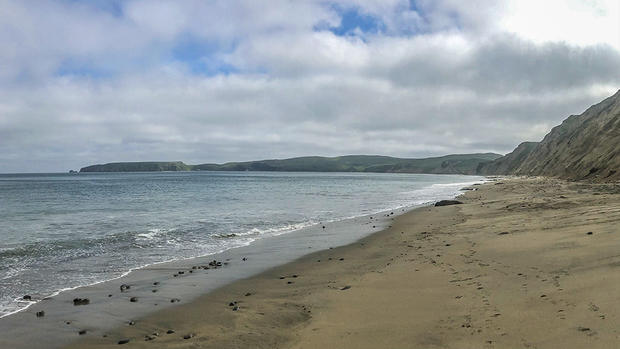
(203, 238)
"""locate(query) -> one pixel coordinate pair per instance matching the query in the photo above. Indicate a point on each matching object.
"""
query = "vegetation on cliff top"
(449, 164)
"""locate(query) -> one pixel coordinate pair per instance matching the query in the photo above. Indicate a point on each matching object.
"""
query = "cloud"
(238, 80)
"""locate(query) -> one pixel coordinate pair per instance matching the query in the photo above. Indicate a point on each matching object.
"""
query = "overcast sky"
(85, 82)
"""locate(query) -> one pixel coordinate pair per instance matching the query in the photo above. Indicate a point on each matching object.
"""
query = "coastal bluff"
(583, 147)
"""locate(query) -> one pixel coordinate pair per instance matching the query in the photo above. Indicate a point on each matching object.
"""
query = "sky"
(85, 82)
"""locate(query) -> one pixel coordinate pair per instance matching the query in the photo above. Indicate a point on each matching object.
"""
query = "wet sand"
(523, 263)
(105, 305)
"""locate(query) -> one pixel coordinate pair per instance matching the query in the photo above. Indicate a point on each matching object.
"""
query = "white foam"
(426, 195)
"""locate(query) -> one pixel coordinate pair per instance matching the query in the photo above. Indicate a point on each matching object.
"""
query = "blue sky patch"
(351, 19)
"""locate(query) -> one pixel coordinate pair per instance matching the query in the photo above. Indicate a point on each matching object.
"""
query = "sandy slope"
(513, 267)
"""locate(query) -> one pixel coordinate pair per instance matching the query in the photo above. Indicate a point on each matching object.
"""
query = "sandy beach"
(523, 263)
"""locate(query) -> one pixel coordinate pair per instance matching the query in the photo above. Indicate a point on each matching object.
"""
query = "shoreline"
(63, 322)
(514, 266)
(181, 280)
(270, 233)
(284, 231)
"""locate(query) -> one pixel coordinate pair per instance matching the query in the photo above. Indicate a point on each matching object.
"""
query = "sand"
(523, 263)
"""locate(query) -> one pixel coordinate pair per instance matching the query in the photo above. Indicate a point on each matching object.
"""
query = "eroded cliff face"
(585, 146)
(510, 162)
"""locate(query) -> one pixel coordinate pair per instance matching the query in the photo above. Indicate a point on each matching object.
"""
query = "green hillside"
(449, 164)
(138, 167)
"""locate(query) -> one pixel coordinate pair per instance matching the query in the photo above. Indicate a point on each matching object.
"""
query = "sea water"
(60, 231)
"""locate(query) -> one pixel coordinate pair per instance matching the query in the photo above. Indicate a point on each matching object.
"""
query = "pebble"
(123, 341)
(133, 299)
(40, 313)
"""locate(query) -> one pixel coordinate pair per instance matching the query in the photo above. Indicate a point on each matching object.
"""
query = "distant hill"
(449, 164)
(585, 146)
(137, 167)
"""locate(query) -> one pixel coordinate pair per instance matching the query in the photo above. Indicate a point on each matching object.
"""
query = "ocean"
(61, 231)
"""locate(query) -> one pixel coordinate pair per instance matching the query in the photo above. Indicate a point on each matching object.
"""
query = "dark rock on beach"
(40, 313)
(133, 299)
(81, 301)
(447, 203)
(215, 263)
(27, 298)
(123, 341)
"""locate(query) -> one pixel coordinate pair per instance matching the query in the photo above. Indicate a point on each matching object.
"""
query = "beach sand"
(523, 263)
